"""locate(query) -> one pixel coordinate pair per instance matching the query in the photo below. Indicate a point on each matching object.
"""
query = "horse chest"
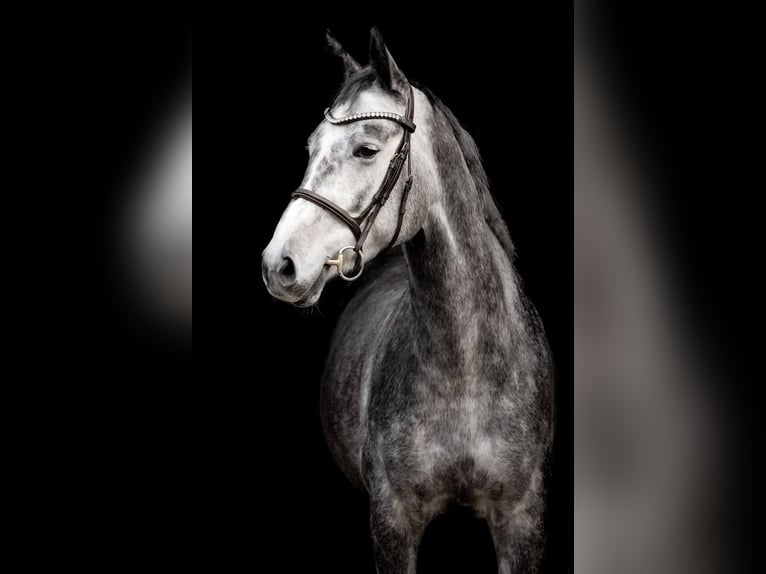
(433, 432)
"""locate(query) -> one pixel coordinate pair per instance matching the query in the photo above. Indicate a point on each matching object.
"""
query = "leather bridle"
(362, 224)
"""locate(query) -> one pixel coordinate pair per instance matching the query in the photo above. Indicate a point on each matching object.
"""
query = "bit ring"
(338, 262)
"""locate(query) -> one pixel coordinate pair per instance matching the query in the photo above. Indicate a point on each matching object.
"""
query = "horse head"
(354, 200)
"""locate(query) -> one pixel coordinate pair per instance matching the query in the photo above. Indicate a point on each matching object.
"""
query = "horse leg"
(395, 536)
(519, 540)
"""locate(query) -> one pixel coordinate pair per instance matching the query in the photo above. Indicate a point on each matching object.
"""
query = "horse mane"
(470, 151)
(366, 77)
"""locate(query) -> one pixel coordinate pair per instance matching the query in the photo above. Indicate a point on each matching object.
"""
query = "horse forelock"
(363, 80)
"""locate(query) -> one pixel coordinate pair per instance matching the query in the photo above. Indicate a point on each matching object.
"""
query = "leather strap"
(362, 224)
(333, 208)
(403, 121)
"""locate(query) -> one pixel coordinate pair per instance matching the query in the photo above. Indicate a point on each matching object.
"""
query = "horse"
(438, 387)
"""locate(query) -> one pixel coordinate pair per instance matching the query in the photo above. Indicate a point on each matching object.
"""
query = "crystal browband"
(404, 122)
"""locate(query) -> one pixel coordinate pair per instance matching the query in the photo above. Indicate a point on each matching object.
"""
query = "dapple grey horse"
(438, 387)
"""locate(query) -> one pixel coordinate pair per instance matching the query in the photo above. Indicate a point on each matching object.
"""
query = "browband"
(401, 120)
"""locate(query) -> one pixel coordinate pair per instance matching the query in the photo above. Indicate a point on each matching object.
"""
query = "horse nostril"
(286, 272)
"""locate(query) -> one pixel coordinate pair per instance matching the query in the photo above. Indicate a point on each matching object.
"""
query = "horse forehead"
(327, 136)
(326, 139)
(331, 139)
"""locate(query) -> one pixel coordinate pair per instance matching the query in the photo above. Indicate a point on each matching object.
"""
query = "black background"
(227, 450)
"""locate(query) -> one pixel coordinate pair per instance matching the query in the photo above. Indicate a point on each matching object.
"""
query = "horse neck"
(462, 281)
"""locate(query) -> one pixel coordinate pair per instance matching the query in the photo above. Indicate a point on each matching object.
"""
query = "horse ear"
(350, 66)
(389, 74)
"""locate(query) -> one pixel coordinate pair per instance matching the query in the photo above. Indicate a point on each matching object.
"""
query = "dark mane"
(473, 160)
(366, 78)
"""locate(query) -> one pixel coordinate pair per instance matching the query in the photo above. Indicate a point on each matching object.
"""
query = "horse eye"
(365, 151)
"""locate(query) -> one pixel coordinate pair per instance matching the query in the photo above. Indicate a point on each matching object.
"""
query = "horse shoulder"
(357, 343)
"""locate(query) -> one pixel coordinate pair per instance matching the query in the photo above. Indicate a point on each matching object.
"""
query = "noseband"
(361, 224)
